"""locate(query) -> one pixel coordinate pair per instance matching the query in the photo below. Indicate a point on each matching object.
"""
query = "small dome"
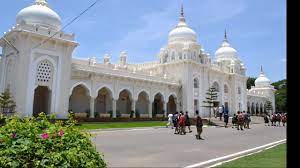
(39, 14)
(182, 32)
(262, 80)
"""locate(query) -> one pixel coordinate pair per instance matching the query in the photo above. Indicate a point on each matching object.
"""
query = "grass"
(107, 125)
(274, 157)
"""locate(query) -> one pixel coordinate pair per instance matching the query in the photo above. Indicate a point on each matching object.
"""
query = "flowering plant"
(36, 142)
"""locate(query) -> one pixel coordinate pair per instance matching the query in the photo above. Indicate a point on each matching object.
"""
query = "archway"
(257, 109)
(158, 105)
(171, 105)
(248, 107)
(261, 109)
(80, 100)
(42, 100)
(103, 102)
(216, 86)
(142, 104)
(124, 103)
(252, 109)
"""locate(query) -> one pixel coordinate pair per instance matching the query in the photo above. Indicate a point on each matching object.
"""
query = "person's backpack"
(175, 118)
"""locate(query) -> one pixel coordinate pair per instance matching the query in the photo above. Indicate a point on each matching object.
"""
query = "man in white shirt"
(220, 112)
(170, 121)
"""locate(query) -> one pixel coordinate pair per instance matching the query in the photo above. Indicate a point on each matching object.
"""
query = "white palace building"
(38, 68)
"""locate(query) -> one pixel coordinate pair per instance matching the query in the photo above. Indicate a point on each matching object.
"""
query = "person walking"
(220, 112)
(199, 125)
(175, 122)
(247, 120)
(181, 124)
(215, 109)
(240, 121)
(170, 121)
(187, 121)
(226, 117)
(234, 120)
(266, 118)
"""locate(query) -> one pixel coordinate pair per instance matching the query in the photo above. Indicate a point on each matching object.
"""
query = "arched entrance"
(80, 100)
(103, 102)
(142, 104)
(171, 105)
(158, 105)
(252, 109)
(248, 107)
(42, 100)
(261, 109)
(124, 103)
(257, 109)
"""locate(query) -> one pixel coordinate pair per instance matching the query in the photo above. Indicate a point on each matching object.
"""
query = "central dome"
(39, 14)
(182, 32)
(226, 52)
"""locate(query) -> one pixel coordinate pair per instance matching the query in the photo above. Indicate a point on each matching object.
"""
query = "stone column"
(92, 107)
(133, 107)
(150, 109)
(165, 108)
(114, 104)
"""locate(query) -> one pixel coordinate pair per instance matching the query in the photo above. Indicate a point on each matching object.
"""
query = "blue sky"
(256, 28)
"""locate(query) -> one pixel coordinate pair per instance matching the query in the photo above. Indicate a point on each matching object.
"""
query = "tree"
(212, 96)
(7, 103)
(281, 95)
(269, 106)
(250, 82)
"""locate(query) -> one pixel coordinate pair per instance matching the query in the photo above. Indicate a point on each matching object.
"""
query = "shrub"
(35, 142)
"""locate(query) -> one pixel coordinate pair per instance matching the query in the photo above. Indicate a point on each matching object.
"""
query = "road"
(161, 148)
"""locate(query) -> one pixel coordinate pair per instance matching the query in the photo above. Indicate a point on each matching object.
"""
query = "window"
(239, 90)
(196, 83)
(225, 89)
(180, 55)
(216, 86)
(44, 73)
(173, 55)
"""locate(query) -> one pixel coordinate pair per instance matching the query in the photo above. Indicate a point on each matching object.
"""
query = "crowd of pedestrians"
(240, 120)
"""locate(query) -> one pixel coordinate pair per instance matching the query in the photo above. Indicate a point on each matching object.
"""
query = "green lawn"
(274, 157)
(106, 125)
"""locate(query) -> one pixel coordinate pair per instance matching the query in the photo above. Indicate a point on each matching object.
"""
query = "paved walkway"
(161, 148)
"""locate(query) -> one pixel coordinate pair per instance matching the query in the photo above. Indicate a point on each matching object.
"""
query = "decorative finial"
(261, 69)
(182, 19)
(182, 13)
(225, 36)
(41, 2)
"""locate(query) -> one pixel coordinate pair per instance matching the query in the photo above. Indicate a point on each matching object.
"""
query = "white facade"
(38, 68)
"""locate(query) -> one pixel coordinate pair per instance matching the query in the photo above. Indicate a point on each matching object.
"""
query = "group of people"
(275, 119)
(241, 120)
(180, 121)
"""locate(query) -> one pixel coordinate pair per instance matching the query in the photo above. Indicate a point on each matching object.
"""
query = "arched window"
(239, 90)
(216, 86)
(173, 56)
(44, 73)
(225, 89)
(196, 83)
(180, 55)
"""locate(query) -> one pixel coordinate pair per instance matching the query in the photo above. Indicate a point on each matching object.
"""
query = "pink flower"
(45, 136)
(13, 135)
(61, 133)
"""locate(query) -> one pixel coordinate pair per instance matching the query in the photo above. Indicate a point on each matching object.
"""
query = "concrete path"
(161, 148)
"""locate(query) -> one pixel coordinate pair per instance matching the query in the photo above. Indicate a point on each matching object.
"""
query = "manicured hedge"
(36, 142)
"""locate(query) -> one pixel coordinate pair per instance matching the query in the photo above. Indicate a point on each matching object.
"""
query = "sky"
(255, 28)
